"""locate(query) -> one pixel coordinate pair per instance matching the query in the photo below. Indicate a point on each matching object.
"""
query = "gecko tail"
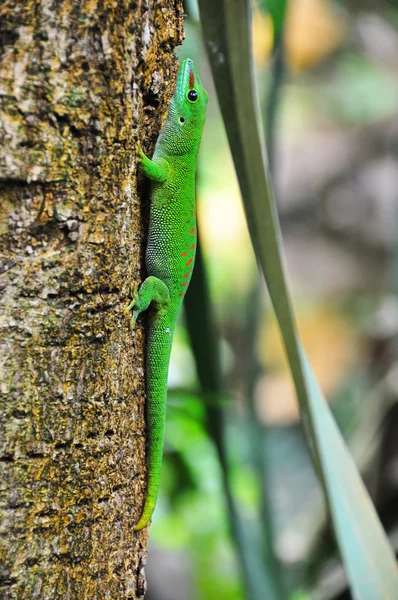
(146, 516)
(155, 449)
(158, 356)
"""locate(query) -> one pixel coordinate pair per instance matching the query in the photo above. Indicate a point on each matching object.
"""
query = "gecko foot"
(134, 301)
(140, 152)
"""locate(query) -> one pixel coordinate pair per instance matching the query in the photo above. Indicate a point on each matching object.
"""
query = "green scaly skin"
(170, 253)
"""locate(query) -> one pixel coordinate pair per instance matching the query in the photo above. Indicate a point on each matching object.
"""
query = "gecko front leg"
(155, 170)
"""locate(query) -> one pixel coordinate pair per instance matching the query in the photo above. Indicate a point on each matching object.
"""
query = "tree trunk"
(80, 82)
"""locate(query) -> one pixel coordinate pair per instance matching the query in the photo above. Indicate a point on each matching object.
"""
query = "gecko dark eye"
(182, 120)
(192, 96)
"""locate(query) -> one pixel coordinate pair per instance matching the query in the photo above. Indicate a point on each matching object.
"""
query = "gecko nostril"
(182, 120)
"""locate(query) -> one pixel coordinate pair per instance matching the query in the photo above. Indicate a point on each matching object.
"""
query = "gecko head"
(187, 111)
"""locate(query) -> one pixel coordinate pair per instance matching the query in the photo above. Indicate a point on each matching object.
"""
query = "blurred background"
(328, 91)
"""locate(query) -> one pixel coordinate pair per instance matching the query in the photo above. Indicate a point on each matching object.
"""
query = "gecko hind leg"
(152, 290)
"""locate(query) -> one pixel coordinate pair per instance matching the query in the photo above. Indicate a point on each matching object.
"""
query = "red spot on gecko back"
(191, 79)
(189, 262)
(184, 284)
(185, 275)
(192, 230)
(184, 254)
(192, 213)
(182, 293)
(192, 247)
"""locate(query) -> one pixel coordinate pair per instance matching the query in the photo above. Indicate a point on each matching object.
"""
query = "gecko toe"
(133, 319)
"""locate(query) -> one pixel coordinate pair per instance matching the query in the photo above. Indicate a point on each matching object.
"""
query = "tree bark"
(80, 83)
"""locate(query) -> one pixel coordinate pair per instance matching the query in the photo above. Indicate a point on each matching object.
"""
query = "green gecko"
(170, 254)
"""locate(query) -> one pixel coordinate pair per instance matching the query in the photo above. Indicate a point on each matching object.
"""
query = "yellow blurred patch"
(332, 346)
(312, 32)
(263, 37)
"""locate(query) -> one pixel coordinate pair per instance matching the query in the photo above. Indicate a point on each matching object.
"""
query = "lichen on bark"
(80, 82)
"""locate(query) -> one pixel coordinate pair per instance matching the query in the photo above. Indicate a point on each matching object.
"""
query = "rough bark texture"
(80, 82)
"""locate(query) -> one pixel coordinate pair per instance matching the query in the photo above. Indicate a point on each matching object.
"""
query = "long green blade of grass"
(369, 560)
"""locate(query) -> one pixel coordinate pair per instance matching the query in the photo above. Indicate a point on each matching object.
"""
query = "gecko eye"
(192, 96)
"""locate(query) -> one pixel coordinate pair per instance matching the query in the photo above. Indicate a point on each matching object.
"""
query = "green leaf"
(369, 560)
(277, 11)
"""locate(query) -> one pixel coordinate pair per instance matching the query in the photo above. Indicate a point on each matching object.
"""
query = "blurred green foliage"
(348, 88)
